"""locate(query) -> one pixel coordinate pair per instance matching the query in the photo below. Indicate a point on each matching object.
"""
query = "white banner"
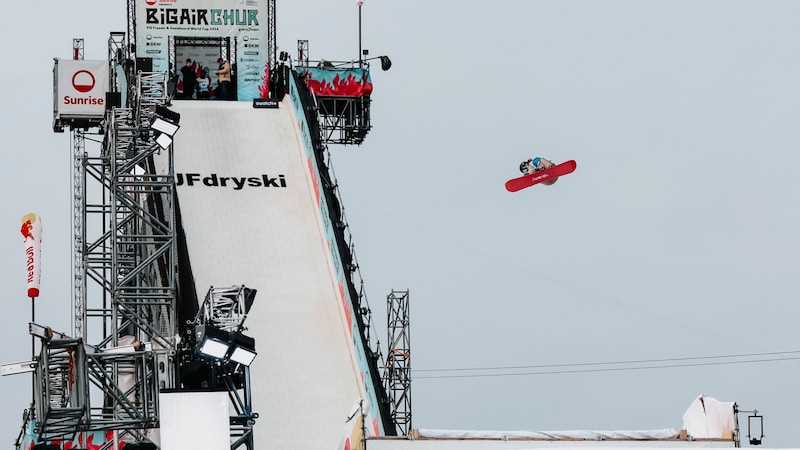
(32, 238)
(244, 22)
(81, 88)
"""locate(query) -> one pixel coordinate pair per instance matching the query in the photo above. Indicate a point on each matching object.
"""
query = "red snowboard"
(543, 175)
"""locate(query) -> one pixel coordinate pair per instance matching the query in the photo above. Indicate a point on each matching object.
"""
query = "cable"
(635, 361)
(610, 369)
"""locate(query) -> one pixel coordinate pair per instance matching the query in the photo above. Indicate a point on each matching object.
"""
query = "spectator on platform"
(189, 79)
(204, 85)
(223, 80)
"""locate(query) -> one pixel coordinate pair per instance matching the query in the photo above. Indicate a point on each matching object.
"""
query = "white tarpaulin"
(708, 417)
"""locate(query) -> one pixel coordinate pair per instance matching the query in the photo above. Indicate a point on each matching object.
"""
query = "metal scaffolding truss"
(133, 256)
(344, 120)
(226, 307)
(272, 46)
(125, 257)
(397, 376)
(60, 385)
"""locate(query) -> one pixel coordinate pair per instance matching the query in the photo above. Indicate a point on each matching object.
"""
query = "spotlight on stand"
(165, 123)
(386, 63)
(755, 424)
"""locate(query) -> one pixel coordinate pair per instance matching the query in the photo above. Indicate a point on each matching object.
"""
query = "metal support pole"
(360, 56)
(33, 358)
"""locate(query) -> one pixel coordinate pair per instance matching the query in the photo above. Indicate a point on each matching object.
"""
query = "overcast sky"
(674, 240)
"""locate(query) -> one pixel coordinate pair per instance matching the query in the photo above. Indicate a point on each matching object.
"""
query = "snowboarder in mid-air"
(539, 170)
(535, 165)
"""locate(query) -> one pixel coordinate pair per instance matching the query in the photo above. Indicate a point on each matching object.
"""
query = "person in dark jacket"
(189, 73)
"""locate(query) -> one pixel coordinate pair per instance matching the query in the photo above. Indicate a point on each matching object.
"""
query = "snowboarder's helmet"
(523, 166)
(536, 161)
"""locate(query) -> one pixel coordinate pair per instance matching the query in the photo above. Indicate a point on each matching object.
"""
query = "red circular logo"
(150, 2)
(83, 81)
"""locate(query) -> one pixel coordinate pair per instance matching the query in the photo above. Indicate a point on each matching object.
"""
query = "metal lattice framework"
(125, 256)
(397, 376)
(226, 307)
(344, 120)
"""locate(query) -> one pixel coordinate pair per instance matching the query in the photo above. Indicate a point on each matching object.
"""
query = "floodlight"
(164, 126)
(168, 114)
(242, 356)
(212, 342)
(386, 63)
(244, 349)
(755, 421)
(163, 141)
(214, 348)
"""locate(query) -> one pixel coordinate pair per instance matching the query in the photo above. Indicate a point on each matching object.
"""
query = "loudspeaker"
(113, 100)
(144, 64)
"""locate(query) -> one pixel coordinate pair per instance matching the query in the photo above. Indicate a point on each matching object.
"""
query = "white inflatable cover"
(708, 417)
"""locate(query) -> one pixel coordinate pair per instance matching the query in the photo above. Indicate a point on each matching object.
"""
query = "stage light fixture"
(164, 126)
(163, 141)
(220, 345)
(244, 349)
(212, 341)
(167, 114)
(386, 63)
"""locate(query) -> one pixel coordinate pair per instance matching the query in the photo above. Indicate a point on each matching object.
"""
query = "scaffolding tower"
(397, 376)
(124, 272)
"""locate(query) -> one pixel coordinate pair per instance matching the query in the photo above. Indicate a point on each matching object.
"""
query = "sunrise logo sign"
(81, 88)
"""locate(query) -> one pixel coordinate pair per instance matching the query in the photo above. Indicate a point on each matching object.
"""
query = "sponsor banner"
(32, 238)
(333, 82)
(81, 88)
(244, 22)
(252, 72)
(266, 103)
(232, 182)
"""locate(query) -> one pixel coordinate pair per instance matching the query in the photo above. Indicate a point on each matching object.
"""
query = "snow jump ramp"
(251, 215)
